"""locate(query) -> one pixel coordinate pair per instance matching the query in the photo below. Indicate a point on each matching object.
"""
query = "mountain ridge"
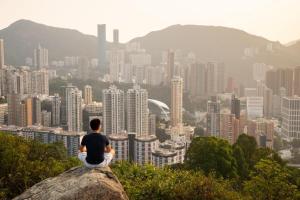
(218, 43)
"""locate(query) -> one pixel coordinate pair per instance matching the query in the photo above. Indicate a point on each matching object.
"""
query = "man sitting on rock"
(95, 150)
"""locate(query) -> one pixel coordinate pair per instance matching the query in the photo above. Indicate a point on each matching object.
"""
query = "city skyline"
(255, 17)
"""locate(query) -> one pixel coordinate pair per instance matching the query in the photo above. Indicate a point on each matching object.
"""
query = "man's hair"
(95, 124)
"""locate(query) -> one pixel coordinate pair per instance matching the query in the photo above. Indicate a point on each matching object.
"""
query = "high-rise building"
(213, 117)
(91, 111)
(113, 110)
(152, 124)
(116, 36)
(259, 71)
(197, 79)
(235, 107)
(102, 46)
(40, 82)
(55, 110)
(297, 81)
(116, 63)
(40, 57)
(170, 67)
(46, 118)
(262, 130)
(3, 113)
(176, 100)
(275, 79)
(88, 95)
(36, 111)
(83, 68)
(1, 54)
(137, 111)
(255, 107)
(73, 108)
(268, 103)
(228, 129)
(14, 109)
(215, 78)
(290, 113)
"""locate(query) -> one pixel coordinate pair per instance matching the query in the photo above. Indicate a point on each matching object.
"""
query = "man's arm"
(109, 149)
(82, 148)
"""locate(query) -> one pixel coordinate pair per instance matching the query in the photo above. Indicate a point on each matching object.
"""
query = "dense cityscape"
(182, 111)
(266, 111)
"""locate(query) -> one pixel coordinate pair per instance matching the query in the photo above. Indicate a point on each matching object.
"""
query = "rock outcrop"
(78, 183)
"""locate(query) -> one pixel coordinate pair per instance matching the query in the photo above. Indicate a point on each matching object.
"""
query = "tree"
(199, 131)
(242, 165)
(211, 154)
(148, 182)
(270, 181)
(26, 162)
(248, 145)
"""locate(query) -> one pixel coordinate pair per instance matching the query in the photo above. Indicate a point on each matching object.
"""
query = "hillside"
(23, 36)
(208, 42)
(295, 48)
(220, 44)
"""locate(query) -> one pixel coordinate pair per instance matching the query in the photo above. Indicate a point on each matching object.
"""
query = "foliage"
(248, 145)
(148, 182)
(24, 163)
(211, 154)
(242, 165)
(270, 181)
(199, 131)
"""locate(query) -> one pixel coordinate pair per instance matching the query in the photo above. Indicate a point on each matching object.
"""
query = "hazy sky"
(273, 19)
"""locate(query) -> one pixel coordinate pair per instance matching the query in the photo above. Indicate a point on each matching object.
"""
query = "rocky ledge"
(78, 183)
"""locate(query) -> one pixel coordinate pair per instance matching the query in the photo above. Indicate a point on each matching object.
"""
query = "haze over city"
(147, 100)
(138, 17)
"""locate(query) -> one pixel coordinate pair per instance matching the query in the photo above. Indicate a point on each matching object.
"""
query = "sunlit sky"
(272, 19)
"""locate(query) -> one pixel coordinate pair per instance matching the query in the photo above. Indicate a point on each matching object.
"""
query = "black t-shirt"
(95, 144)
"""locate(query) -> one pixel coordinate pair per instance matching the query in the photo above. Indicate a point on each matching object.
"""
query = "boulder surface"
(78, 183)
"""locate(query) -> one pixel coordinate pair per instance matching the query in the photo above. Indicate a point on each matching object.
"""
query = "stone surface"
(78, 183)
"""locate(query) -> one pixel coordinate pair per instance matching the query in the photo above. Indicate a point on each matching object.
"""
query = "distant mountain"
(207, 42)
(23, 36)
(220, 44)
(295, 48)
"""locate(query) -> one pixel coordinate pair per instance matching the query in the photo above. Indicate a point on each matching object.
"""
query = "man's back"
(95, 144)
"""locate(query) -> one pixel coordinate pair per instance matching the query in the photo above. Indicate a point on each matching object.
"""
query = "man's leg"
(82, 156)
(107, 158)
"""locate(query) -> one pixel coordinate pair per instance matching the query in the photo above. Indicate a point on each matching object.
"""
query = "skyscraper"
(213, 117)
(215, 78)
(170, 66)
(255, 107)
(55, 110)
(268, 103)
(137, 111)
(176, 101)
(197, 79)
(235, 107)
(116, 62)
(14, 109)
(88, 95)
(1, 53)
(83, 68)
(40, 82)
(73, 108)
(113, 110)
(116, 36)
(290, 113)
(297, 81)
(36, 111)
(40, 56)
(275, 79)
(102, 46)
